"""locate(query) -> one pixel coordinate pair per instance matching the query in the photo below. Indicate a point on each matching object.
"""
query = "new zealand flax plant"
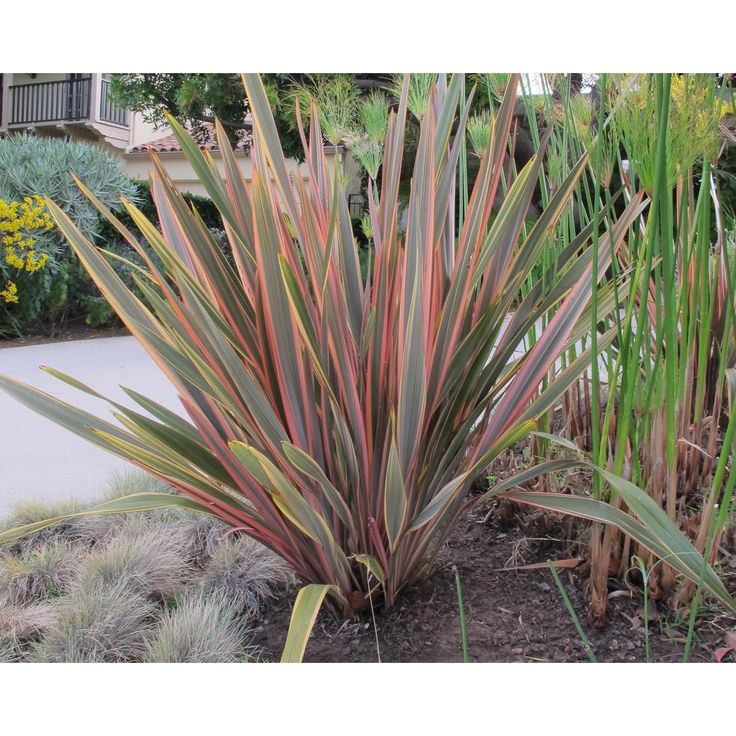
(341, 421)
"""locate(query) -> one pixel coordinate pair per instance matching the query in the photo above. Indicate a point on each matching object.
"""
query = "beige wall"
(142, 132)
(139, 165)
(26, 78)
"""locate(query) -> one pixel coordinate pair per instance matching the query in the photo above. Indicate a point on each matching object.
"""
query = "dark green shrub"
(205, 207)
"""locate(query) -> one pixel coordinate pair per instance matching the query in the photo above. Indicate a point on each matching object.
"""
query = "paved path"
(39, 459)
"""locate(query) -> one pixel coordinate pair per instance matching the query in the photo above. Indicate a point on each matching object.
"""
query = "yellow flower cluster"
(10, 293)
(17, 220)
(690, 95)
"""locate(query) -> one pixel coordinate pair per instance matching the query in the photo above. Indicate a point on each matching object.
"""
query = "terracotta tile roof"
(207, 142)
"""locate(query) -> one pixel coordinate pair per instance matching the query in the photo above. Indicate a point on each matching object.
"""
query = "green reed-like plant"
(367, 137)
(650, 411)
(336, 100)
(666, 403)
(340, 421)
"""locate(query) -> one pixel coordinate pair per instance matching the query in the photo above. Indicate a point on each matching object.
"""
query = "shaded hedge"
(99, 312)
(205, 206)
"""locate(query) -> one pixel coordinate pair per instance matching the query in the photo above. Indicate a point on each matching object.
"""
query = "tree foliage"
(197, 99)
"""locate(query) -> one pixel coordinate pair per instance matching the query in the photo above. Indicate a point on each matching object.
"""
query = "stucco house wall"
(139, 165)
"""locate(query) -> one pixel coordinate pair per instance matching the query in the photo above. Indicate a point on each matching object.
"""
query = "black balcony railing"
(109, 111)
(47, 102)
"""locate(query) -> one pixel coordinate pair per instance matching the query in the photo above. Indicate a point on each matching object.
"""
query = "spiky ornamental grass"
(682, 286)
(692, 124)
(479, 131)
(367, 137)
(675, 369)
(39, 572)
(82, 530)
(203, 627)
(98, 622)
(7, 651)
(132, 480)
(373, 115)
(197, 536)
(21, 625)
(246, 573)
(162, 558)
(342, 422)
(146, 557)
(336, 101)
(419, 94)
(497, 84)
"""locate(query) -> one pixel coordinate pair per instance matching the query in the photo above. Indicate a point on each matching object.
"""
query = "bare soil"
(512, 615)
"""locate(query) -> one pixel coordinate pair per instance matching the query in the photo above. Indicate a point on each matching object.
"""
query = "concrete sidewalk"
(40, 460)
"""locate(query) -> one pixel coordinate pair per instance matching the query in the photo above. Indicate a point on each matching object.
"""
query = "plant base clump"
(21, 625)
(337, 417)
(146, 556)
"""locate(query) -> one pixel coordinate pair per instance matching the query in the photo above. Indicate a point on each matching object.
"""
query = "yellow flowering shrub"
(10, 292)
(19, 220)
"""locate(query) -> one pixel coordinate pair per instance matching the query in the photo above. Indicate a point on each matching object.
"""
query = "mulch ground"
(512, 615)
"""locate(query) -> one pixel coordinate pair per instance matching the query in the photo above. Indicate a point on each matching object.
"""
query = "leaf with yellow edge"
(394, 497)
(373, 566)
(306, 607)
